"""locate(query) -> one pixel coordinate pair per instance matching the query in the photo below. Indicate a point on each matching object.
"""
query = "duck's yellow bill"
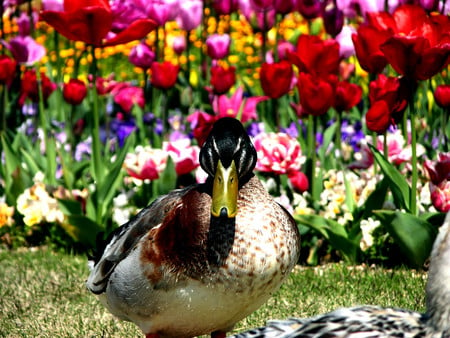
(225, 191)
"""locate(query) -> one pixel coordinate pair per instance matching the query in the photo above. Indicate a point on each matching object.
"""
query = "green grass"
(42, 294)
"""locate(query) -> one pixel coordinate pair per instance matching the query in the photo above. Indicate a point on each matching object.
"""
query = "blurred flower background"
(105, 105)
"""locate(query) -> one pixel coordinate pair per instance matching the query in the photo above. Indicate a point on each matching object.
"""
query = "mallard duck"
(201, 258)
(376, 321)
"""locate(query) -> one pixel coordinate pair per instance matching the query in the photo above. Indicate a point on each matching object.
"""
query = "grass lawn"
(42, 294)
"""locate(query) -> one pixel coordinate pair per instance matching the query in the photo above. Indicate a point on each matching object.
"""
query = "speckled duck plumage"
(177, 270)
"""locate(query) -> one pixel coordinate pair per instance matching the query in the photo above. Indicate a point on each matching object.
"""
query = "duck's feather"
(123, 239)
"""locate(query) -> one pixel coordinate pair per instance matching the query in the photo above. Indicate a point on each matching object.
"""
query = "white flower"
(367, 228)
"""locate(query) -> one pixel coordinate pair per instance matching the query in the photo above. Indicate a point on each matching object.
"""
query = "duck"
(375, 321)
(203, 257)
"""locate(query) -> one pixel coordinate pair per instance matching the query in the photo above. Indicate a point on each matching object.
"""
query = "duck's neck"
(220, 240)
(438, 285)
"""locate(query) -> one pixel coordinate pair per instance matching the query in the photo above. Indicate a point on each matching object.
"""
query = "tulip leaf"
(401, 191)
(70, 207)
(82, 229)
(13, 174)
(108, 187)
(167, 180)
(334, 232)
(413, 235)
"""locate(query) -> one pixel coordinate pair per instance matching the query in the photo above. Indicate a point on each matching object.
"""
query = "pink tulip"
(278, 153)
(440, 196)
(141, 56)
(184, 155)
(128, 96)
(218, 45)
(179, 44)
(162, 10)
(146, 163)
(232, 106)
(190, 14)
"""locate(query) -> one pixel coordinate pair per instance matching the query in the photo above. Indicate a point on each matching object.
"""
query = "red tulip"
(74, 91)
(420, 47)
(299, 181)
(388, 101)
(222, 79)
(439, 170)
(164, 74)
(367, 41)
(316, 94)
(276, 78)
(91, 20)
(29, 87)
(7, 69)
(348, 95)
(378, 117)
(442, 96)
(316, 56)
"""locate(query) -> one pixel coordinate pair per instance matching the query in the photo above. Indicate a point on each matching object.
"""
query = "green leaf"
(328, 136)
(401, 191)
(82, 229)
(413, 235)
(15, 179)
(334, 232)
(70, 207)
(167, 181)
(107, 189)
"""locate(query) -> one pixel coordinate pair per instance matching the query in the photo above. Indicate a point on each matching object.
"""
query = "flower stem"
(413, 200)
(338, 139)
(444, 117)
(312, 151)
(49, 146)
(96, 159)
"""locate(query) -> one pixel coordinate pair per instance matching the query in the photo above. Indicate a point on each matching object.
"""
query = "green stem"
(444, 117)
(4, 104)
(413, 200)
(96, 155)
(385, 146)
(49, 149)
(338, 139)
(374, 143)
(312, 151)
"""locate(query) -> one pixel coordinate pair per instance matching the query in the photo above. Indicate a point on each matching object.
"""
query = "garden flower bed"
(106, 105)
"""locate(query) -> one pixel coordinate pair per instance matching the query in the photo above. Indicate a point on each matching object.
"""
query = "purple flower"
(141, 56)
(83, 150)
(162, 10)
(124, 12)
(190, 14)
(344, 38)
(333, 19)
(53, 5)
(352, 134)
(25, 50)
(255, 128)
(24, 23)
(179, 44)
(218, 45)
(30, 109)
(292, 130)
(225, 7)
(122, 129)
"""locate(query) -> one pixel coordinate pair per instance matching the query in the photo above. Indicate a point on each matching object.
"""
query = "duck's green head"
(228, 156)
